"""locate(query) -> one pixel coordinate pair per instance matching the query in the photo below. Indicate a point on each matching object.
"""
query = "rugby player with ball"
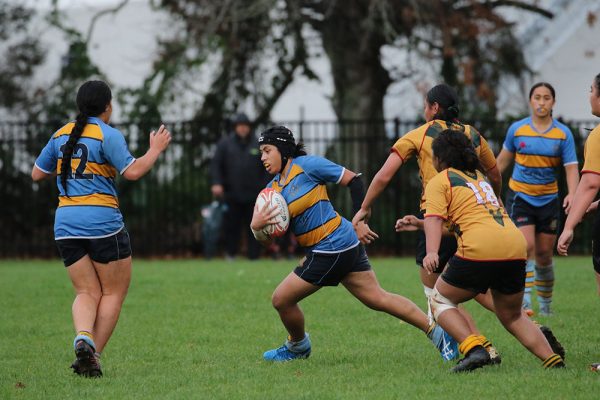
(297, 198)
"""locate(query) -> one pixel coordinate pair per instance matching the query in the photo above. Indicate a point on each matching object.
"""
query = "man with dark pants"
(237, 176)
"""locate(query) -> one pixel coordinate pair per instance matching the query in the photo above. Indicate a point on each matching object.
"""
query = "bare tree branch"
(100, 14)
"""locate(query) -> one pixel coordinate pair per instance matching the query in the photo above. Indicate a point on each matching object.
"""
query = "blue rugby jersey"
(317, 226)
(537, 154)
(92, 208)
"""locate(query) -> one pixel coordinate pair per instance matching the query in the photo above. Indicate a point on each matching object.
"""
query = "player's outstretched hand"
(565, 239)
(160, 139)
(263, 217)
(408, 223)
(361, 215)
(364, 233)
(431, 262)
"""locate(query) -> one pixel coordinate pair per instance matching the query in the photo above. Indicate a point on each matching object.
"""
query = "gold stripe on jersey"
(104, 170)
(312, 197)
(590, 153)
(313, 237)
(91, 131)
(96, 199)
(534, 190)
(534, 161)
(553, 133)
(294, 172)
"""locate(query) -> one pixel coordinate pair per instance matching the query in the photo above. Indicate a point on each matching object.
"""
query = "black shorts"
(596, 242)
(329, 269)
(103, 250)
(545, 218)
(507, 277)
(447, 250)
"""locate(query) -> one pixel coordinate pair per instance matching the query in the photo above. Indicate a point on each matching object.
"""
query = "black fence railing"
(162, 211)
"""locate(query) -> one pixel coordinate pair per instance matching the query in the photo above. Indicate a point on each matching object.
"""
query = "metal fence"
(162, 210)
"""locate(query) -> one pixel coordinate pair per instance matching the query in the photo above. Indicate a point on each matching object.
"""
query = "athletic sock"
(300, 346)
(428, 292)
(485, 342)
(470, 342)
(544, 283)
(529, 280)
(553, 361)
(86, 337)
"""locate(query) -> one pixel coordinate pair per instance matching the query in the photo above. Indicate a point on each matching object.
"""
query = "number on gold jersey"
(488, 192)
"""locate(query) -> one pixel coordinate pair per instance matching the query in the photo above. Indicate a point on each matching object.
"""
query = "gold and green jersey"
(468, 204)
(418, 143)
(591, 153)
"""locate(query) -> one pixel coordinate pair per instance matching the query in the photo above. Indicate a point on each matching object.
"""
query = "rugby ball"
(282, 220)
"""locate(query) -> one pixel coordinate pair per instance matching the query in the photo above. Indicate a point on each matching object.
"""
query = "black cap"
(240, 119)
(277, 135)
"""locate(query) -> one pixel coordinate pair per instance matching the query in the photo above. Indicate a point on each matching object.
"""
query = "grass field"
(197, 329)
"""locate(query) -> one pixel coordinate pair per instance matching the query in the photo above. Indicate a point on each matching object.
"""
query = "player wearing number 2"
(92, 240)
(461, 196)
(334, 253)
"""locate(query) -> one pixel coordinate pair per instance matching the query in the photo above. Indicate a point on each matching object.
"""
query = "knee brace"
(439, 304)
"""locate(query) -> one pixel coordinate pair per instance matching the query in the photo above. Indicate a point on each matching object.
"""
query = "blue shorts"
(329, 269)
(544, 218)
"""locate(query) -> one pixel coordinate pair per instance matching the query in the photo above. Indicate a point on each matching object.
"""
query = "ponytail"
(92, 99)
(455, 150)
(67, 150)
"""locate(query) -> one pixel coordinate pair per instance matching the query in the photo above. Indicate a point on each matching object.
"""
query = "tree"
(25, 53)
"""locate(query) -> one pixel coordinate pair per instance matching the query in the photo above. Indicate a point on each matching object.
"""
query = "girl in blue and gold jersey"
(334, 253)
(85, 156)
(538, 144)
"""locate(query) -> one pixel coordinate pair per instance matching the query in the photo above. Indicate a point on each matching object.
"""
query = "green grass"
(197, 329)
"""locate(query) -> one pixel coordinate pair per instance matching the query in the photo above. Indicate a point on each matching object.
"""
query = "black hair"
(455, 150)
(447, 99)
(542, 84)
(282, 138)
(92, 99)
(597, 83)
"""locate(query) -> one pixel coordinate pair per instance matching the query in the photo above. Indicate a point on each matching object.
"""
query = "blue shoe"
(290, 351)
(445, 343)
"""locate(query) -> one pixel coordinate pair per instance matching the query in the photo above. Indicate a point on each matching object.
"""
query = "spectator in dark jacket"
(237, 176)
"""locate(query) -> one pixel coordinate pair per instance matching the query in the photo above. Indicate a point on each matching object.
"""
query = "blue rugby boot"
(290, 350)
(447, 346)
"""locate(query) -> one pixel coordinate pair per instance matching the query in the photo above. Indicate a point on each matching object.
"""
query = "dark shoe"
(553, 341)
(86, 364)
(476, 358)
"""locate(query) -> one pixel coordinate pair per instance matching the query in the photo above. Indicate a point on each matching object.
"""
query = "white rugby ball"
(282, 219)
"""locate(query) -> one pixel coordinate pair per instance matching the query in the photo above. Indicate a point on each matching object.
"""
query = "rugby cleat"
(447, 346)
(545, 310)
(86, 363)
(477, 357)
(595, 367)
(290, 351)
(553, 341)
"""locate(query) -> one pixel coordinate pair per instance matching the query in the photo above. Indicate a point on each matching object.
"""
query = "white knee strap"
(428, 292)
(439, 304)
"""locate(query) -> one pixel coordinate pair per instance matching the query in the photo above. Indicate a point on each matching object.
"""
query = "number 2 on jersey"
(83, 159)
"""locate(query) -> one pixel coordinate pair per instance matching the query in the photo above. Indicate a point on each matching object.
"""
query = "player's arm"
(584, 195)
(410, 223)
(261, 218)
(380, 181)
(572, 175)
(38, 175)
(357, 194)
(490, 166)
(159, 141)
(504, 159)
(433, 237)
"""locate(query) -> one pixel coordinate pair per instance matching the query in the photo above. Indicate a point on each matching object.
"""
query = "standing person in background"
(538, 144)
(85, 156)
(237, 176)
